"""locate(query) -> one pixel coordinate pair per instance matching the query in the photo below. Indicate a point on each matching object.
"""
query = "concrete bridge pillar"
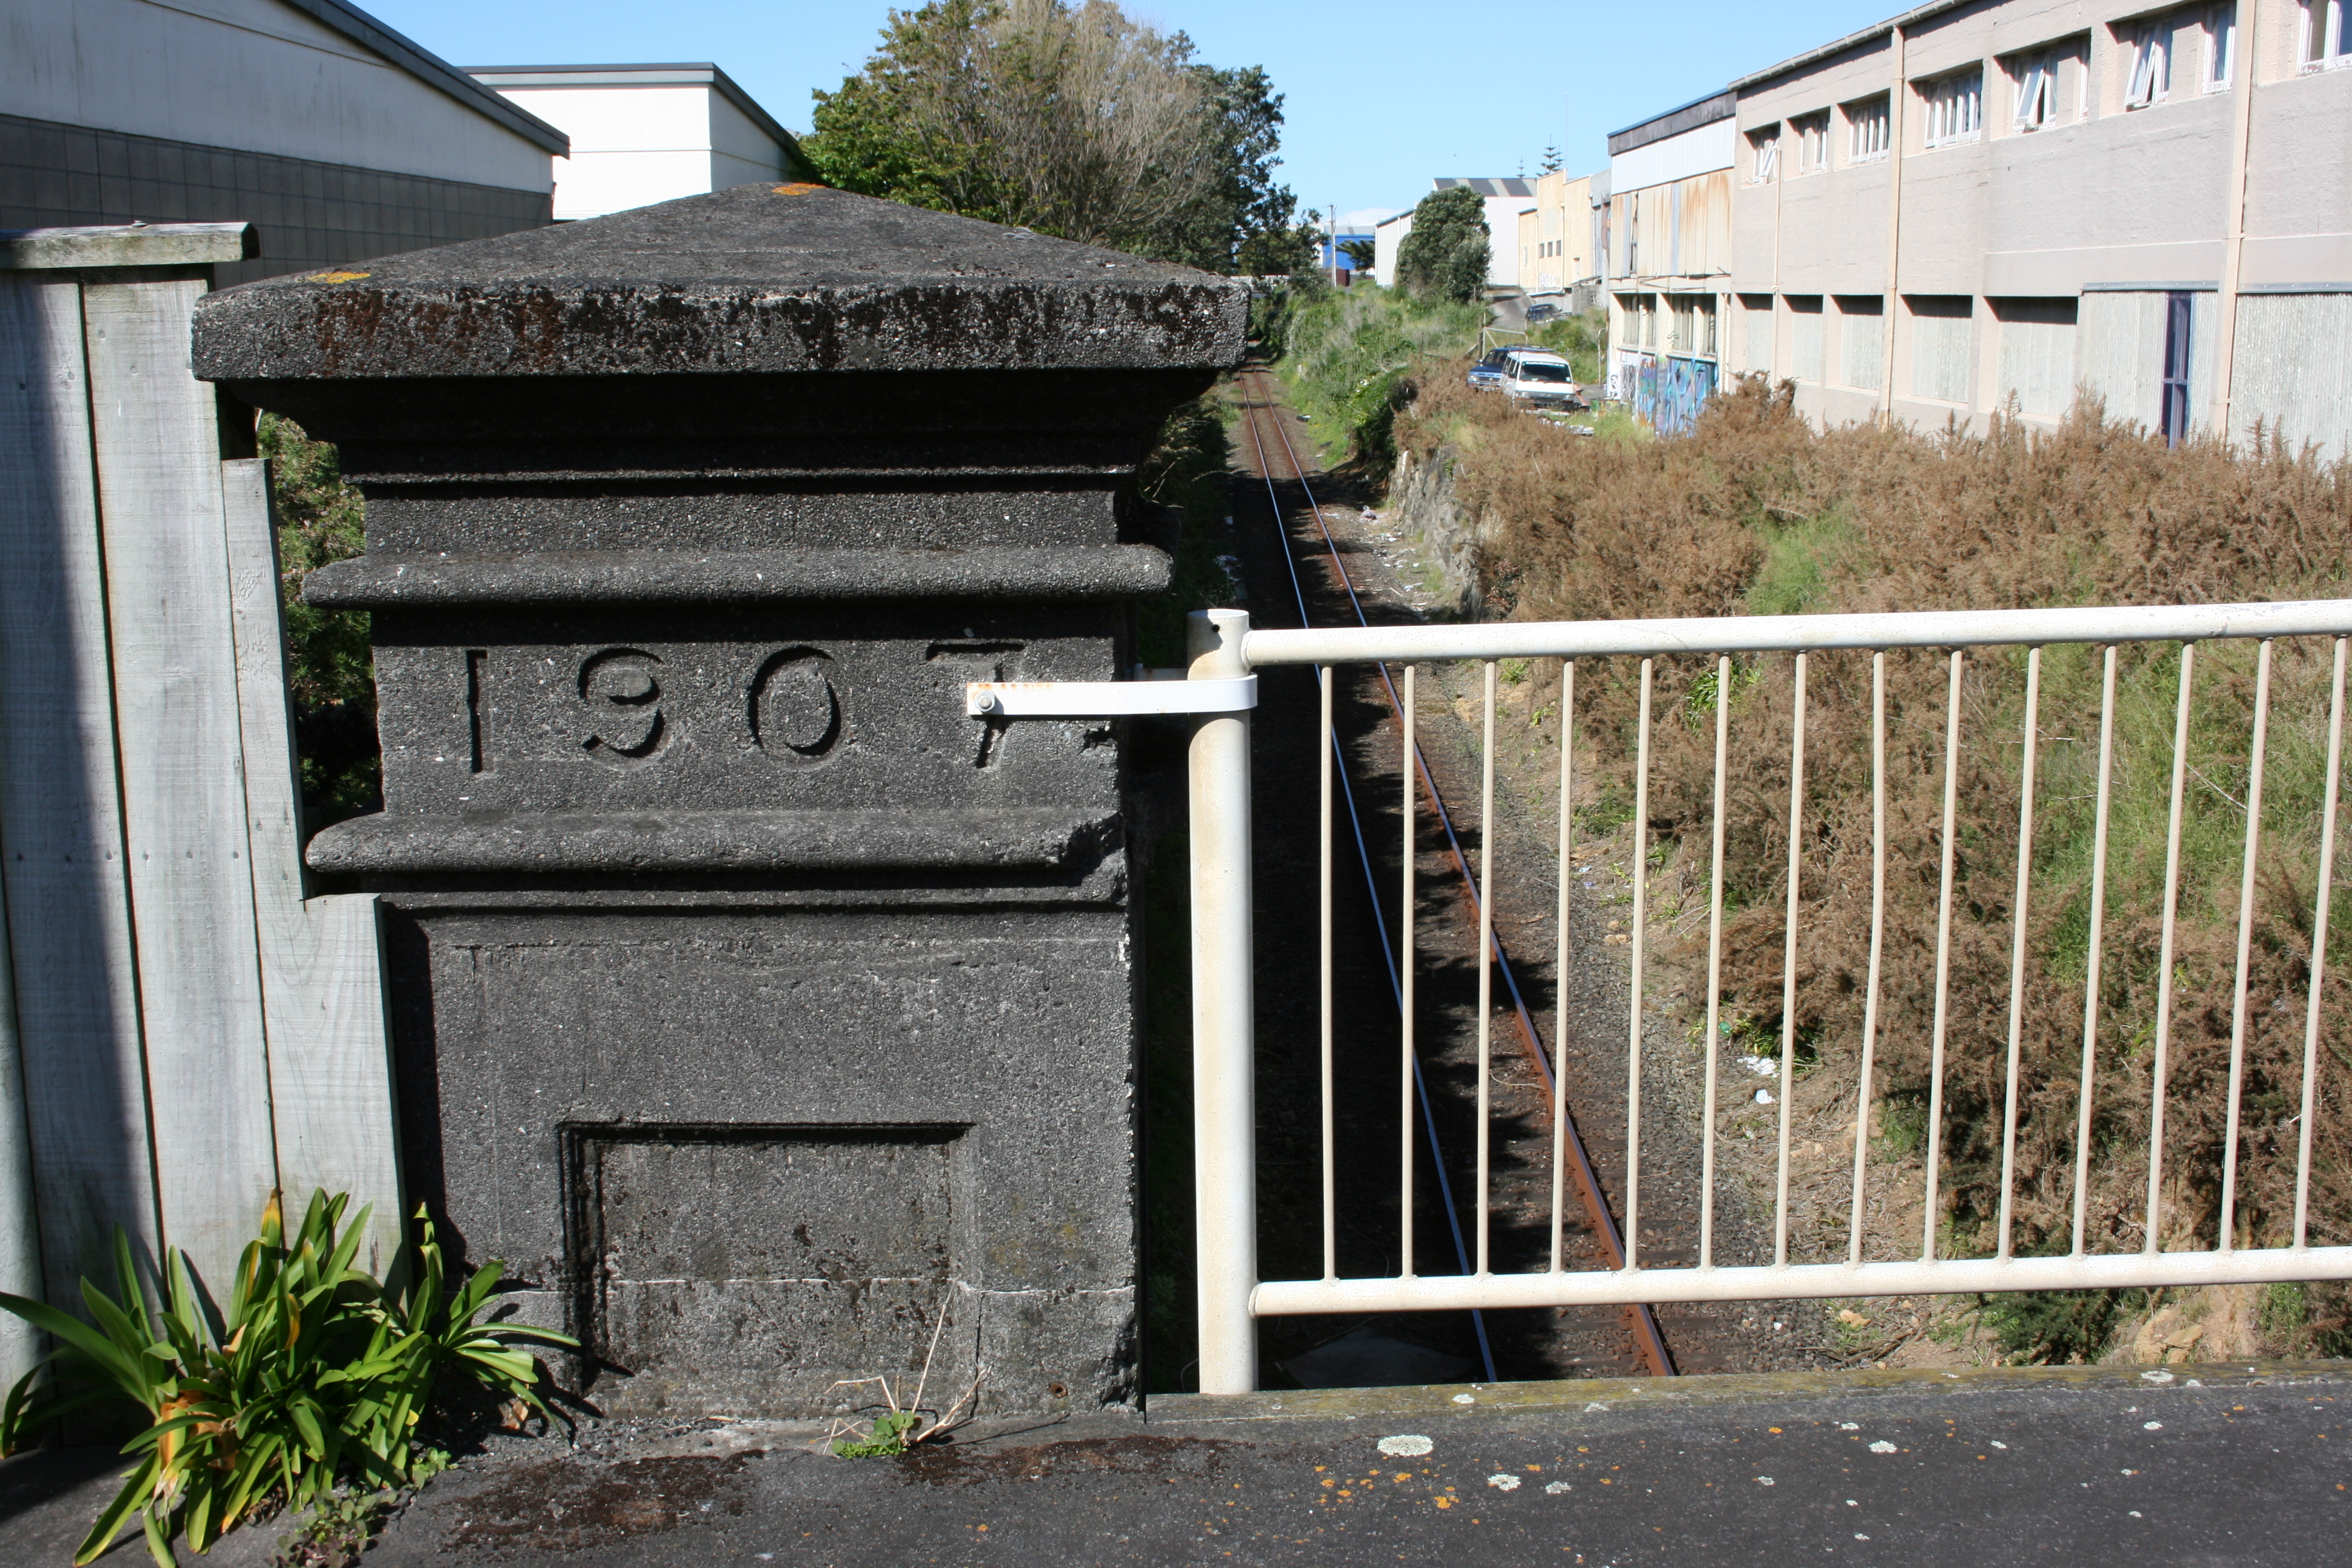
(759, 1007)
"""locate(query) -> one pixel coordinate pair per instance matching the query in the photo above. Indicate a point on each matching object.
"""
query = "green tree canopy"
(1446, 254)
(1071, 120)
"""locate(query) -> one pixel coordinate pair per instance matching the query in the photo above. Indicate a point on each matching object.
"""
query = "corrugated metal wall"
(2294, 369)
(2037, 354)
(1943, 338)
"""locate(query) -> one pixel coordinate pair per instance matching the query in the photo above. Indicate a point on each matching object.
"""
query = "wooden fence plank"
(20, 1242)
(322, 963)
(60, 824)
(157, 441)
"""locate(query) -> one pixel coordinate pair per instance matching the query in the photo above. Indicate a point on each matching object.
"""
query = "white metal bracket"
(1105, 699)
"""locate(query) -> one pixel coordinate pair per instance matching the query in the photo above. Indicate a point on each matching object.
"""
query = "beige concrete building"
(1556, 235)
(1981, 202)
(1665, 235)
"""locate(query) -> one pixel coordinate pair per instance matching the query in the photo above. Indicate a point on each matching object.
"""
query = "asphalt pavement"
(2193, 1465)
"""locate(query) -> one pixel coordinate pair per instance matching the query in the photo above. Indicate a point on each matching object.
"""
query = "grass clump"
(1353, 357)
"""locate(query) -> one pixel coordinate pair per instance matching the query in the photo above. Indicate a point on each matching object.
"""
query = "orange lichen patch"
(797, 188)
(337, 277)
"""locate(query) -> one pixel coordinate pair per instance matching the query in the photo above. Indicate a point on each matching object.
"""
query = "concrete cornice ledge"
(377, 582)
(758, 278)
(659, 841)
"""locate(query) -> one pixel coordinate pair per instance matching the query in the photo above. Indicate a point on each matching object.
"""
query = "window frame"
(2220, 73)
(1938, 98)
(2149, 62)
(1812, 133)
(1764, 154)
(1874, 124)
(2037, 76)
(2324, 44)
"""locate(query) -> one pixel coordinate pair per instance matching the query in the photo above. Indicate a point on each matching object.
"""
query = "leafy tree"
(1364, 253)
(1552, 162)
(1071, 120)
(1446, 254)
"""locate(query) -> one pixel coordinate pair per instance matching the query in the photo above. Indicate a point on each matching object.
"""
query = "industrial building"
(336, 137)
(1979, 206)
(647, 133)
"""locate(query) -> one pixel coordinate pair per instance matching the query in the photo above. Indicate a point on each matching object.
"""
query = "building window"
(1805, 336)
(2221, 47)
(1763, 154)
(2037, 354)
(1756, 317)
(2049, 86)
(1866, 123)
(2323, 42)
(1940, 345)
(2149, 55)
(1862, 340)
(1690, 328)
(1954, 108)
(1812, 133)
(1639, 316)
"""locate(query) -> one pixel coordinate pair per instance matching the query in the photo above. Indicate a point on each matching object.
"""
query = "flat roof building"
(647, 133)
(337, 137)
(1990, 204)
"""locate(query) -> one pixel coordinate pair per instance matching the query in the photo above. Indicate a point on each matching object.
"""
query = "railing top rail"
(1770, 634)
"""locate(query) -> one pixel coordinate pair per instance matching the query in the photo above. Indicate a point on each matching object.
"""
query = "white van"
(1539, 378)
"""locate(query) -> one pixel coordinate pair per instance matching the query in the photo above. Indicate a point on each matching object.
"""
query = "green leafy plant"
(900, 1426)
(337, 1532)
(311, 1372)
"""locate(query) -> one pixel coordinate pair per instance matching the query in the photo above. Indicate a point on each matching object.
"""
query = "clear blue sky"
(1382, 94)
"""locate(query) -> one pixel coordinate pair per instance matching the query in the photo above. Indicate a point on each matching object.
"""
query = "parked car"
(1486, 375)
(1545, 310)
(1538, 378)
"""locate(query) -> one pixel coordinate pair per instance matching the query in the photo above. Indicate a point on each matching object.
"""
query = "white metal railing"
(1225, 650)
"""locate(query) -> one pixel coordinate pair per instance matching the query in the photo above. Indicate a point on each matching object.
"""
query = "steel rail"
(1398, 985)
(1648, 1341)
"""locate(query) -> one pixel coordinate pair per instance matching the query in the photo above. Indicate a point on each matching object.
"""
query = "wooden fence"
(184, 1027)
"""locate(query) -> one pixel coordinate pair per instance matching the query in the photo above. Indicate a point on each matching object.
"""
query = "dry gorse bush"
(1757, 511)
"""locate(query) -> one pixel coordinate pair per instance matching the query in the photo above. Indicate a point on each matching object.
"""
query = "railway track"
(1538, 1125)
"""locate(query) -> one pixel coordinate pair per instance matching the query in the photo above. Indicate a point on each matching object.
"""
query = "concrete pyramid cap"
(757, 279)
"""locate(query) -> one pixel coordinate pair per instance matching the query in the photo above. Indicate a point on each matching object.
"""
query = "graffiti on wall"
(1667, 392)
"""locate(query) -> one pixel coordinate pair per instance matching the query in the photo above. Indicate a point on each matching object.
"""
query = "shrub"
(1352, 356)
(1446, 254)
(312, 1374)
(1757, 510)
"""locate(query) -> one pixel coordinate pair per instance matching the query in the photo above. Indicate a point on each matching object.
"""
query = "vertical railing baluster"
(2245, 946)
(1560, 960)
(1404, 997)
(1788, 963)
(1878, 941)
(2319, 951)
(1943, 962)
(2091, 968)
(1713, 971)
(2162, 1064)
(1633, 1007)
(2033, 731)
(1486, 970)
(1330, 740)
